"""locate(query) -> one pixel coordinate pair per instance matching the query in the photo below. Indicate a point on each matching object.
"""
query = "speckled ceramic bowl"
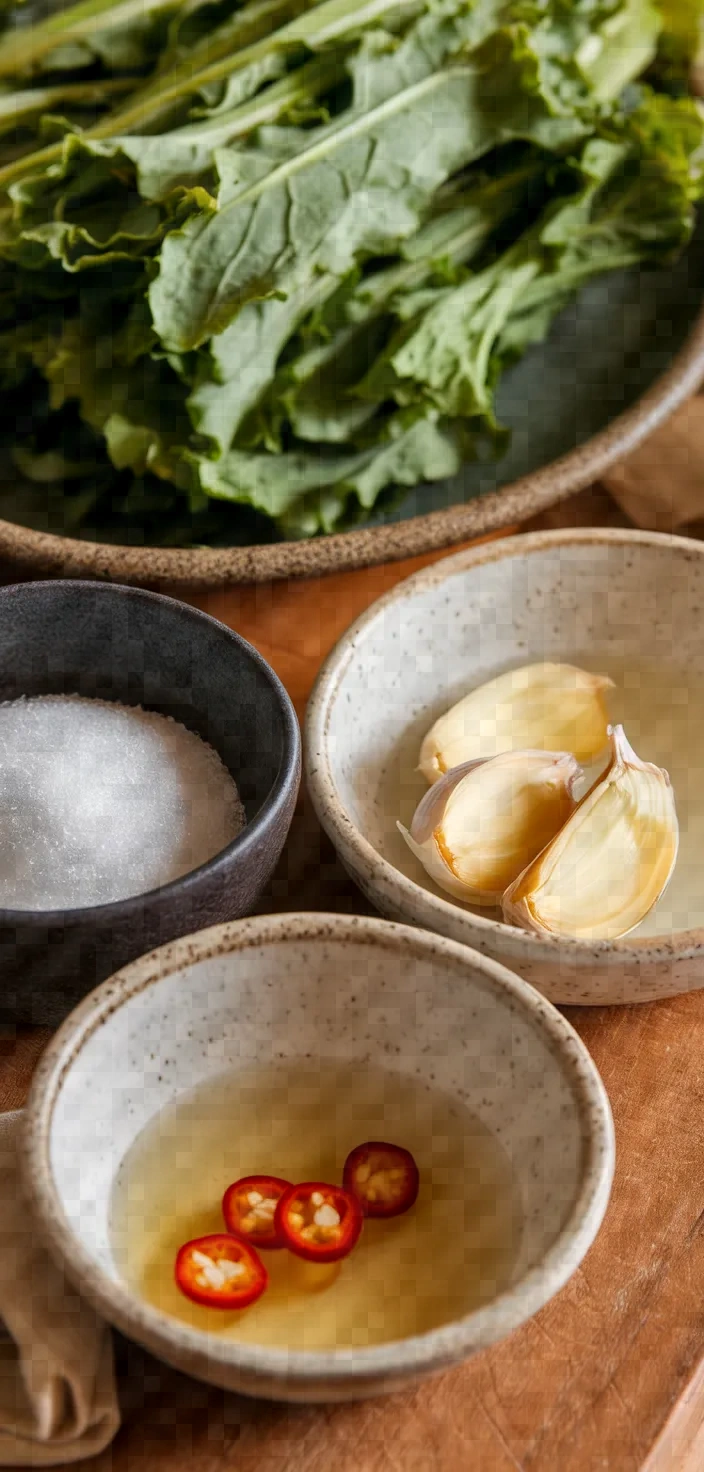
(345, 990)
(613, 601)
(116, 643)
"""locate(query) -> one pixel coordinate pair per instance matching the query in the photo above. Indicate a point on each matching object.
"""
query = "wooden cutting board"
(610, 1375)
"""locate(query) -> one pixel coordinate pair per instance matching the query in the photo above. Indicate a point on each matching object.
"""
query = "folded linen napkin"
(58, 1401)
(661, 485)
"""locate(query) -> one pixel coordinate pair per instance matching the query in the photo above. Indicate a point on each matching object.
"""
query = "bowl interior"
(612, 603)
(386, 997)
(601, 353)
(115, 643)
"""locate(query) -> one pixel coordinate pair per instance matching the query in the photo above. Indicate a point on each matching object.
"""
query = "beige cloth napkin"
(661, 485)
(58, 1401)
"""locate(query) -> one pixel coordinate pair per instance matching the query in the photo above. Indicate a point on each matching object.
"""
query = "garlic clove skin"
(610, 863)
(539, 707)
(480, 824)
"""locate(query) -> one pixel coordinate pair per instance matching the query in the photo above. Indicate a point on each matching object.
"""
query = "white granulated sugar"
(100, 801)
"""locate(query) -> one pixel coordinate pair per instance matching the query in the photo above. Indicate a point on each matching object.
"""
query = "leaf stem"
(316, 26)
(19, 49)
(16, 107)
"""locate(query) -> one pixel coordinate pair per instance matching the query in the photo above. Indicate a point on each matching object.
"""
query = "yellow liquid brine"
(452, 1251)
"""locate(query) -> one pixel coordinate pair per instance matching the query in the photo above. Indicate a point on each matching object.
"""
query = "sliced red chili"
(319, 1222)
(248, 1207)
(384, 1178)
(220, 1272)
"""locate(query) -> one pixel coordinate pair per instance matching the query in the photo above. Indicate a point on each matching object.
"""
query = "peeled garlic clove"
(478, 827)
(602, 874)
(546, 707)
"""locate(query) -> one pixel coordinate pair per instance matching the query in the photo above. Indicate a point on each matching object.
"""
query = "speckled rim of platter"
(46, 553)
(300, 1369)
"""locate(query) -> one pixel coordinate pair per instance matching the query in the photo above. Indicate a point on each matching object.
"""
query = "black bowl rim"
(288, 775)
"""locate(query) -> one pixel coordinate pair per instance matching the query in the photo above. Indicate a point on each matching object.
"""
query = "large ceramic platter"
(614, 366)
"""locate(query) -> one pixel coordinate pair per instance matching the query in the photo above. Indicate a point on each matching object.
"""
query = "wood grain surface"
(610, 1375)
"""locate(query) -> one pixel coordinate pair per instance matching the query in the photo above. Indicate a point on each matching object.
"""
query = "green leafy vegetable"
(22, 48)
(263, 265)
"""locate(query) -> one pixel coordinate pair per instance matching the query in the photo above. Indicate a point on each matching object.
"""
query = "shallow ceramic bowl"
(608, 600)
(288, 986)
(139, 648)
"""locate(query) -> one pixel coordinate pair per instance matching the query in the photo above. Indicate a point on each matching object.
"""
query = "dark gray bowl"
(118, 643)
